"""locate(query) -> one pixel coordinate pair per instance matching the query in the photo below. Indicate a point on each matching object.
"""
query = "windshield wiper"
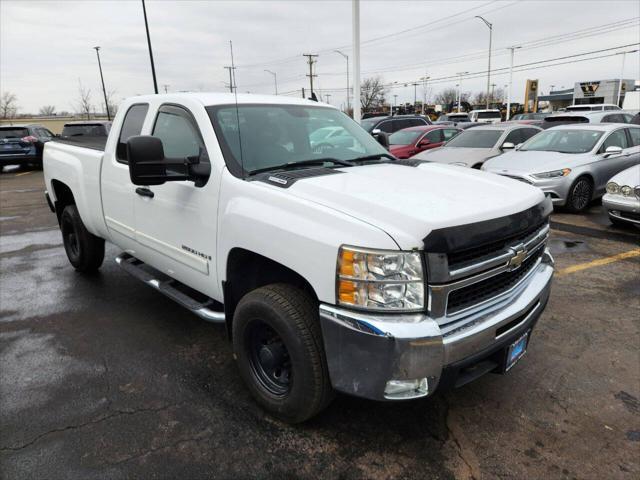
(377, 156)
(292, 165)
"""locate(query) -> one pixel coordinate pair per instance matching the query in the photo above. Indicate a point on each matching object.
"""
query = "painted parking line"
(23, 173)
(599, 262)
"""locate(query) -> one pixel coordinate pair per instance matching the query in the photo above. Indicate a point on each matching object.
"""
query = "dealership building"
(596, 91)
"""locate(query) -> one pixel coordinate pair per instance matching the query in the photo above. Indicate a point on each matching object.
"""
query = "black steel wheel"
(84, 250)
(278, 345)
(580, 195)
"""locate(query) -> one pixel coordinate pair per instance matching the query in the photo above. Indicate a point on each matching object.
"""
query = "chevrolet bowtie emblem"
(519, 254)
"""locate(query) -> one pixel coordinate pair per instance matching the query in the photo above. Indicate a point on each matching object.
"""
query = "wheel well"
(63, 195)
(247, 271)
(477, 166)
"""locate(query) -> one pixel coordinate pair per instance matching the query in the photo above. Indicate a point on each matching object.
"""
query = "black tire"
(278, 346)
(84, 250)
(580, 195)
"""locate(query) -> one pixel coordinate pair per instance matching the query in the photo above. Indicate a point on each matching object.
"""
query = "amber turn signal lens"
(347, 291)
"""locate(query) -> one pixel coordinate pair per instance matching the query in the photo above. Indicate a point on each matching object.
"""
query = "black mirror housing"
(382, 139)
(146, 160)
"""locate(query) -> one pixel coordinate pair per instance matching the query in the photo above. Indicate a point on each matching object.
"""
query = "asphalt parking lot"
(102, 377)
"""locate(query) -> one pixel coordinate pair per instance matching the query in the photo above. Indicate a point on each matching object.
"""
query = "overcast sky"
(46, 46)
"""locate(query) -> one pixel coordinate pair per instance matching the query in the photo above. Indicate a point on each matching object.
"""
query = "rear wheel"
(580, 195)
(84, 250)
(278, 346)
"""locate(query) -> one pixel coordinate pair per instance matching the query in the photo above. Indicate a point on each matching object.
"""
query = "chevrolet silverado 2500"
(335, 267)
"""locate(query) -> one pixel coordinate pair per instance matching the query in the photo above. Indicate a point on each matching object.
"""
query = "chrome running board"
(206, 308)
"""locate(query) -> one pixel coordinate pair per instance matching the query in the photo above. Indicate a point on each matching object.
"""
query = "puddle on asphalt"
(13, 243)
(564, 245)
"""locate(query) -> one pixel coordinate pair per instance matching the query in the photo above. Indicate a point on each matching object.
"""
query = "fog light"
(406, 389)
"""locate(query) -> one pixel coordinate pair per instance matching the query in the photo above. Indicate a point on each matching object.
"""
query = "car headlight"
(637, 191)
(626, 190)
(553, 174)
(613, 188)
(386, 280)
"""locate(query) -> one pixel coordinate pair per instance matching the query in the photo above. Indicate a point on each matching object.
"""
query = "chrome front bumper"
(617, 203)
(365, 351)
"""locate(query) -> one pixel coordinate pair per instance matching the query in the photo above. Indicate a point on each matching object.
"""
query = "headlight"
(380, 279)
(613, 188)
(637, 191)
(626, 190)
(554, 174)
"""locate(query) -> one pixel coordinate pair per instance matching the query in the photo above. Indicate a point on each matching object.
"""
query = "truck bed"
(94, 143)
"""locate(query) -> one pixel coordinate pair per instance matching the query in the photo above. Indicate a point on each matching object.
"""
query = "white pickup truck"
(334, 266)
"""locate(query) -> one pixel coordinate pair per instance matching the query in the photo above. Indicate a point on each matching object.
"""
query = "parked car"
(22, 144)
(89, 128)
(530, 118)
(351, 271)
(622, 200)
(410, 141)
(592, 107)
(390, 125)
(586, 117)
(452, 118)
(473, 147)
(635, 119)
(485, 116)
(572, 163)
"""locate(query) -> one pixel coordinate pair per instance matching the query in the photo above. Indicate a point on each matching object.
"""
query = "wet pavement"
(102, 377)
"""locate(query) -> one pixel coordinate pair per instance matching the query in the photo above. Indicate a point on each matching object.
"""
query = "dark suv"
(22, 144)
(390, 125)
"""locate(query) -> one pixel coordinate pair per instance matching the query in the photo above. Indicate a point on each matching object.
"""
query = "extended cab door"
(176, 221)
(117, 190)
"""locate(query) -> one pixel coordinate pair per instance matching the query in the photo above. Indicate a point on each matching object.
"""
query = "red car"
(410, 141)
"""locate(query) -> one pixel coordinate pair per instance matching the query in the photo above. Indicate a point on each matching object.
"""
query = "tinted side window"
(449, 133)
(179, 133)
(514, 136)
(387, 127)
(527, 133)
(416, 122)
(616, 139)
(434, 136)
(634, 133)
(613, 118)
(131, 126)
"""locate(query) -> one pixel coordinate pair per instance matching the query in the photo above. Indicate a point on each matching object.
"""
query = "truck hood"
(525, 163)
(409, 202)
(469, 156)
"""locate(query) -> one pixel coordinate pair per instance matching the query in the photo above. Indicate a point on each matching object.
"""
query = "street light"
(459, 85)
(510, 82)
(346, 57)
(153, 67)
(104, 90)
(275, 79)
(490, 25)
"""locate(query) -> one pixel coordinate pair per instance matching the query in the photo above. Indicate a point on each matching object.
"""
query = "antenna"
(233, 79)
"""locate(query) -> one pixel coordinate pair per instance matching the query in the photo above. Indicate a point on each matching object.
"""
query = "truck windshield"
(475, 139)
(257, 136)
(564, 141)
(489, 115)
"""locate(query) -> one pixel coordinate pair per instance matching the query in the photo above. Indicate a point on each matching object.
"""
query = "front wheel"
(278, 346)
(84, 250)
(580, 195)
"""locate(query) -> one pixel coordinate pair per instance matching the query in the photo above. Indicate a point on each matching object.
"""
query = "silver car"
(472, 147)
(622, 199)
(572, 163)
(606, 116)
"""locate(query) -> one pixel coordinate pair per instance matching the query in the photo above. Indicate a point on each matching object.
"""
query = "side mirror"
(612, 150)
(375, 131)
(148, 165)
(382, 139)
(507, 146)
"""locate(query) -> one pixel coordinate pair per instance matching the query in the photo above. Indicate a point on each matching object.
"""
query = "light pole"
(624, 54)
(395, 102)
(153, 67)
(346, 57)
(513, 49)
(275, 79)
(104, 90)
(459, 85)
(490, 25)
(355, 4)
(424, 91)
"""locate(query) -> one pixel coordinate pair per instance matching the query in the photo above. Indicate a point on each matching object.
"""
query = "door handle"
(145, 192)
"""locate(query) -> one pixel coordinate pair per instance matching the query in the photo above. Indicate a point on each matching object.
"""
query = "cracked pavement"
(102, 377)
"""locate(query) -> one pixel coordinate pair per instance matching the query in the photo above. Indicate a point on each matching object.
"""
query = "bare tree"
(450, 95)
(480, 98)
(47, 110)
(84, 105)
(111, 101)
(372, 93)
(8, 105)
